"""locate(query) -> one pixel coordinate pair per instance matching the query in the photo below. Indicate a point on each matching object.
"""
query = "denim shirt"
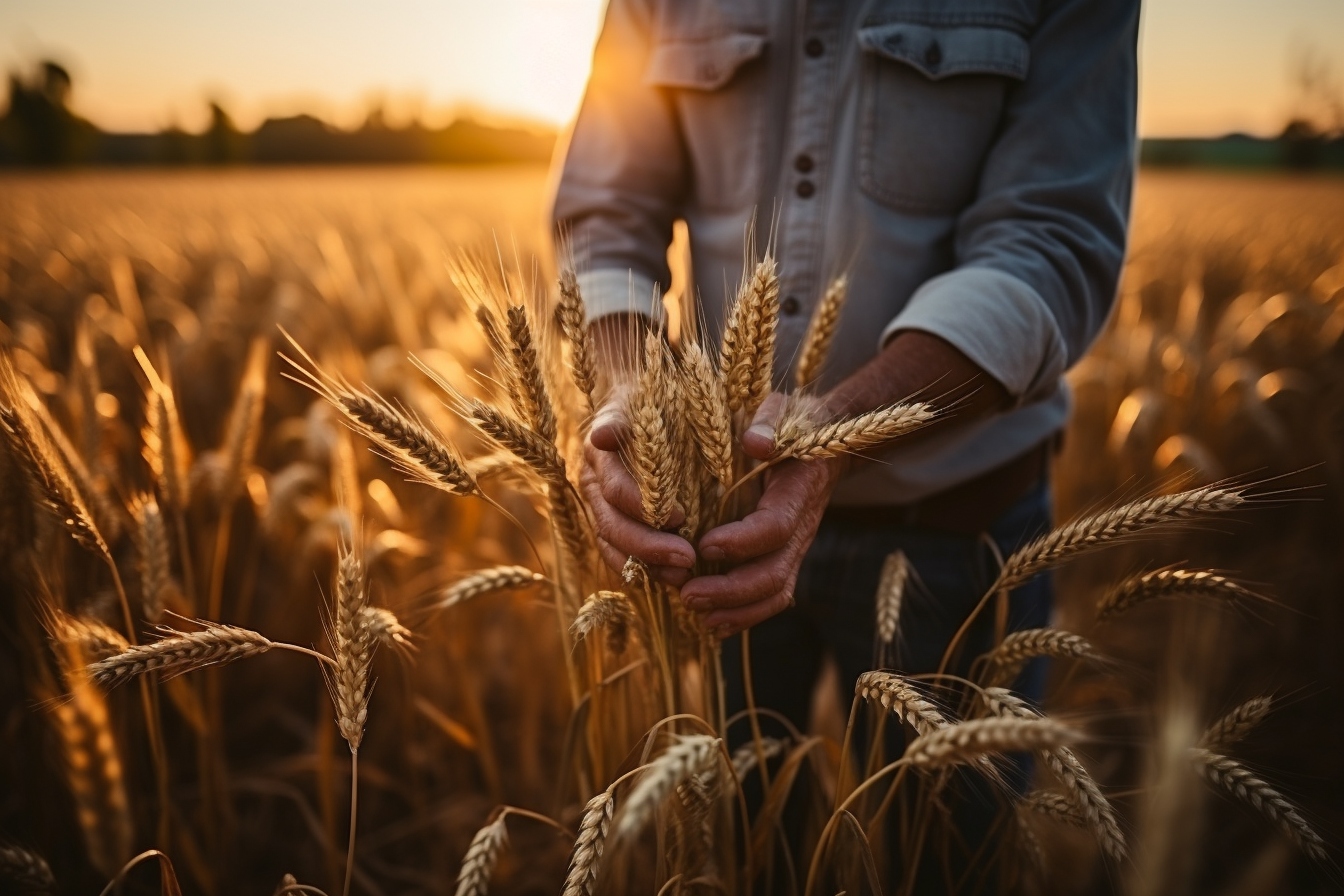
(968, 165)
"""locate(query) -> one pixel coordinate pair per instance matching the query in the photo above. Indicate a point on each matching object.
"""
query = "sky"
(1206, 66)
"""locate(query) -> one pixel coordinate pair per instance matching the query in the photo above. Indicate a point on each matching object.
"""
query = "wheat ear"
(852, 435)
(747, 757)
(151, 548)
(244, 426)
(25, 870)
(747, 348)
(890, 594)
(572, 318)
(970, 740)
(179, 652)
(1102, 528)
(165, 447)
(531, 399)
(1168, 583)
(1054, 805)
(686, 756)
(1238, 723)
(478, 865)
(484, 581)
(707, 412)
(820, 331)
(586, 862)
(386, 630)
(651, 454)
(1236, 779)
(93, 640)
(353, 644)
(608, 610)
(1006, 661)
(899, 696)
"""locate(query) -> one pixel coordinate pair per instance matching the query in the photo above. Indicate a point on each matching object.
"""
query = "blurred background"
(189, 175)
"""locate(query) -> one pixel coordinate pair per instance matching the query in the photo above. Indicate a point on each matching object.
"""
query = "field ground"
(1224, 359)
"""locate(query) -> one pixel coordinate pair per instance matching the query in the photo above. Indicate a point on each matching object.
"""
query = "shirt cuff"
(996, 320)
(613, 291)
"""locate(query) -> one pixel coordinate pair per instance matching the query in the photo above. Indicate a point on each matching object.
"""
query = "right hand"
(613, 495)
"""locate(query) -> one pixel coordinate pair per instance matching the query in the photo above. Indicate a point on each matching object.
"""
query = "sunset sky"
(1208, 66)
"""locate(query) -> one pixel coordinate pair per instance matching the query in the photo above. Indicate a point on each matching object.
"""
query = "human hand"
(769, 543)
(613, 495)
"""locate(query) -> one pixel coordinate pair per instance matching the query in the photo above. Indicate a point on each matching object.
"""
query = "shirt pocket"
(931, 100)
(718, 96)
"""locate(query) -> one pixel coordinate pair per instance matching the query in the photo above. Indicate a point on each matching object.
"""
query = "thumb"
(758, 441)
(611, 426)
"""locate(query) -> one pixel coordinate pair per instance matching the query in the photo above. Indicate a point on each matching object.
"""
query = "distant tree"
(223, 141)
(39, 128)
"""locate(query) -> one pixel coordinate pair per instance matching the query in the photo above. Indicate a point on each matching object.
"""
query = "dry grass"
(244, 489)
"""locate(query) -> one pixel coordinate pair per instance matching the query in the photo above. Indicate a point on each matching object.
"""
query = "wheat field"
(300, 596)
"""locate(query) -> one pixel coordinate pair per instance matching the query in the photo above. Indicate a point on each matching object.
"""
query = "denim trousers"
(835, 615)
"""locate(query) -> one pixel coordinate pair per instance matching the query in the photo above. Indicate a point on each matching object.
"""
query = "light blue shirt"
(968, 166)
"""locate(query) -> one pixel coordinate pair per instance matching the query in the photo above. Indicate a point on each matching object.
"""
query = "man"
(968, 167)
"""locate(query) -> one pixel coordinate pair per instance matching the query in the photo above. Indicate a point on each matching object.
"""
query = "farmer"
(968, 167)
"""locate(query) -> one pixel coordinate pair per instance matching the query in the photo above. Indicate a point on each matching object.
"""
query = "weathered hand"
(613, 495)
(768, 543)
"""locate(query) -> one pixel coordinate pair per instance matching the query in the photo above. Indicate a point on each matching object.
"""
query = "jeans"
(835, 615)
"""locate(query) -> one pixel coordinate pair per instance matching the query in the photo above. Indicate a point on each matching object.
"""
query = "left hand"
(768, 543)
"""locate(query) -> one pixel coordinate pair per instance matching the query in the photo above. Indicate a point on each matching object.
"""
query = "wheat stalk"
(820, 331)
(586, 862)
(1102, 528)
(890, 593)
(482, 855)
(484, 581)
(178, 652)
(1236, 779)
(686, 756)
(609, 610)
(1238, 723)
(1168, 583)
(572, 318)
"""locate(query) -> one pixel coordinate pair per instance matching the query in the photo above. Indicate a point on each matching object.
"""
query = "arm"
(1038, 258)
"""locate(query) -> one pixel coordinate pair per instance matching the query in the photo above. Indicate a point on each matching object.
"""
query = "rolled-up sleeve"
(1039, 250)
(624, 173)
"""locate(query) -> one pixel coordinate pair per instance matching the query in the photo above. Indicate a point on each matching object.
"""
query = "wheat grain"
(820, 331)
(478, 865)
(686, 756)
(1103, 528)
(1168, 583)
(586, 862)
(1238, 723)
(1236, 779)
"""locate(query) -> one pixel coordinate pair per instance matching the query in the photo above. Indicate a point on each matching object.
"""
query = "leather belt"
(965, 509)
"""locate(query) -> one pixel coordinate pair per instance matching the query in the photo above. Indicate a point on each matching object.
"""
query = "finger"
(759, 439)
(671, 575)
(760, 532)
(635, 539)
(610, 427)
(725, 623)
(610, 556)
(744, 585)
(622, 492)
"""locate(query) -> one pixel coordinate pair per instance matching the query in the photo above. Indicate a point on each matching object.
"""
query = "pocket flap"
(701, 64)
(941, 52)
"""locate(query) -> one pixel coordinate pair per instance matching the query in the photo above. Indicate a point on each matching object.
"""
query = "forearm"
(915, 364)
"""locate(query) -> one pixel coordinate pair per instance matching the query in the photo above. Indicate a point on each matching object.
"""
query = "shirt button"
(814, 48)
(789, 306)
(934, 54)
(806, 188)
(803, 163)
